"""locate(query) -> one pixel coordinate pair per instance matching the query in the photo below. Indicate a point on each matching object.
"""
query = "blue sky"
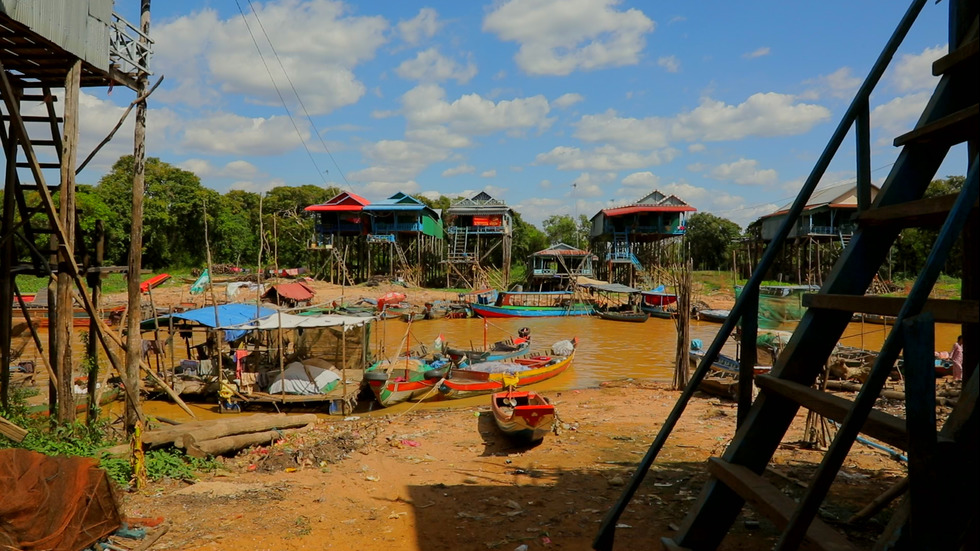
(555, 106)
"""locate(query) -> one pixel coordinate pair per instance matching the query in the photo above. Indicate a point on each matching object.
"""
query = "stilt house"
(405, 238)
(627, 237)
(476, 227)
(554, 268)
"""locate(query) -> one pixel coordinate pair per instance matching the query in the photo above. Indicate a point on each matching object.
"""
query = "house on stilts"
(558, 267)
(396, 237)
(631, 236)
(824, 229)
(480, 233)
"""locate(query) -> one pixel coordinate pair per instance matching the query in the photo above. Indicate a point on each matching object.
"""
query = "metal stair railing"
(747, 304)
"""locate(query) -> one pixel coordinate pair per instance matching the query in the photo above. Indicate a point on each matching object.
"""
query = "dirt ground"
(446, 479)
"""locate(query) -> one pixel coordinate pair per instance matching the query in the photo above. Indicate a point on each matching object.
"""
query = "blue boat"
(520, 304)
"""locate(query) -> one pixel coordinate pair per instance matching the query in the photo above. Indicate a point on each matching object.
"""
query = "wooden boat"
(635, 317)
(722, 380)
(713, 315)
(519, 304)
(526, 416)
(500, 350)
(401, 380)
(658, 311)
(490, 377)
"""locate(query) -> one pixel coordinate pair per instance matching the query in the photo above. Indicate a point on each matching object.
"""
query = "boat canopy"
(293, 321)
(227, 314)
(612, 288)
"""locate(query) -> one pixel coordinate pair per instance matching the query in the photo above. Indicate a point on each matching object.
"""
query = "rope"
(423, 398)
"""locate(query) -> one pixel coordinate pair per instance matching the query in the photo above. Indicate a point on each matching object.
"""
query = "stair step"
(952, 129)
(23, 164)
(954, 58)
(775, 505)
(931, 212)
(945, 311)
(882, 426)
(45, 143)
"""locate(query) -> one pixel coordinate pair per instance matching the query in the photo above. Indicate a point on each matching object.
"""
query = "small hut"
(290, 295)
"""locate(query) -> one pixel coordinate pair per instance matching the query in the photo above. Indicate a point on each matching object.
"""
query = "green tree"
(285, 223)
(914, 244)
(527, 239)
(709, 239)
(562, 228)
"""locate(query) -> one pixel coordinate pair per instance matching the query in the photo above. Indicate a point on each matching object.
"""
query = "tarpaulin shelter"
(54, 503)
(290, 294)
(227, 314)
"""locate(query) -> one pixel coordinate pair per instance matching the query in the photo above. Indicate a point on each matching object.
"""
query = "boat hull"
(487, 311)
(465, 383)
(633, 317)
(524, 416)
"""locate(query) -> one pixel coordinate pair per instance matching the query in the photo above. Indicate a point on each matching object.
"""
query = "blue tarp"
(228, 314)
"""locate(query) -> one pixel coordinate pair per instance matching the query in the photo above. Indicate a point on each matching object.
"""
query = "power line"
(281, 99)
(296, 93)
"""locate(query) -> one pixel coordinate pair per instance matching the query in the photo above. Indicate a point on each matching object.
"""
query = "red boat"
(525, 416)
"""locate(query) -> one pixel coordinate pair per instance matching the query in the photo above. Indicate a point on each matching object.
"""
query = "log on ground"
(228, 444)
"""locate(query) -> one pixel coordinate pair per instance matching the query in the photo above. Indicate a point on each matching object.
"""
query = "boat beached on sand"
(490, 377)
(523, 415)
(520, 304)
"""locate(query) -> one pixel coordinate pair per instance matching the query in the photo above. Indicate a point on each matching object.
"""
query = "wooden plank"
(920, 407)
(670, 545)
(880, 425)
(945, 311)
(954, 58)
(12, 431)
(951, 129)
(929, 212)
(775, 505)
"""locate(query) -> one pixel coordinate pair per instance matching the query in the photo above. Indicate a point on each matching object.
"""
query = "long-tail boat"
(523, 415)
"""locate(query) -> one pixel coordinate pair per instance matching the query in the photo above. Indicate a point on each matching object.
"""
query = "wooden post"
(920, 408)
(64, 305)
(134, 408)
(747, 359)
(92, 352)
(7, 278)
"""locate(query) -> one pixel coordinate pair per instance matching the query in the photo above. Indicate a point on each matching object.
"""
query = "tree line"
(176, 205)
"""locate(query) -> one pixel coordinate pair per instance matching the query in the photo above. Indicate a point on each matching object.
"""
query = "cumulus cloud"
(842, 83)
(472, 114)
(228, 133)
(745, 172)
(235, 169)
(763, 51)
(898, 115)
(557, 37)
(458, 169)
(763, 114)
(395, 163)
(696, 148)
(606, 158)
(670, 63)
(913, 72)
(645, 179)
(589, 184)
(492, 173)
(424, 25)
(431, 66)
(567, 100)
(608, 127)
(316, 42)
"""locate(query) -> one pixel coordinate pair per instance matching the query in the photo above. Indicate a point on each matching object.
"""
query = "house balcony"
(815, 230)
(389, 227)
(340, 228)
(491, 230)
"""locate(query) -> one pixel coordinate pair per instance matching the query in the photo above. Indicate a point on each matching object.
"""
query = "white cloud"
(670, 63)
(645, 179)
(567, 100)
(602, 158)
(424, 25)
(459, 169)
(588, 184)
(898, 115)
(228, 133)
(396, 163)
(696, 148)
(745, 172)
(718, 202)
(648, 133)
(840, 84)
(472, 114)
(380, 190)
(763, 114)
(763, 51)
(431, 66)
(317, 43)
(913, 72)
(438, 136)
(258, 187)
(235, 169)
(557, 37)
(492, 173)
(545, 184)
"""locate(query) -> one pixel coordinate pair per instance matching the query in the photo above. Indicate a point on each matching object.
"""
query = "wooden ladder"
(941, 466)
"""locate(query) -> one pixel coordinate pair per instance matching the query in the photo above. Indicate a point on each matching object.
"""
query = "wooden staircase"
(940, 510)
